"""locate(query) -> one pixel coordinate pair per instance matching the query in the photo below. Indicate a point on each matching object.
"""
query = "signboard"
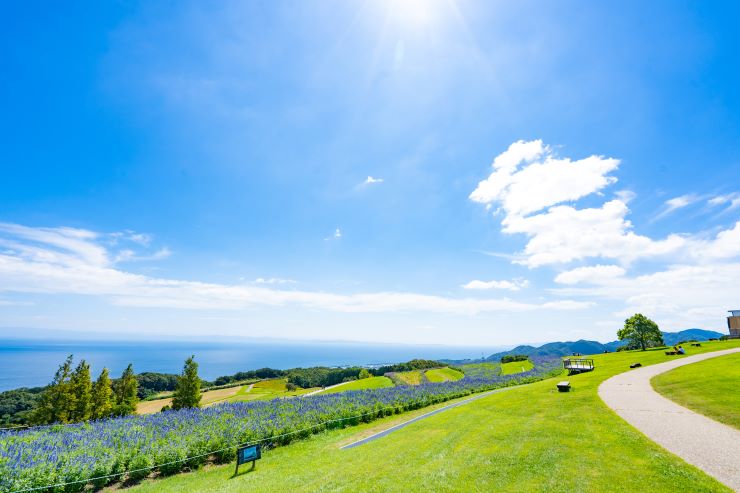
(251, 454)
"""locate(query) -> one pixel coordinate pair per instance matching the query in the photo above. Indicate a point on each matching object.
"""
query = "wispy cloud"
(372, 180)
(54, 265)
(129, 255)
(672, 205)
(273, 281)
(335, 236)
(729, 201)
(513, 285)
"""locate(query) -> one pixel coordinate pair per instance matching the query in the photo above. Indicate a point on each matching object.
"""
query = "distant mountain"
(671, 338)
(594, 347)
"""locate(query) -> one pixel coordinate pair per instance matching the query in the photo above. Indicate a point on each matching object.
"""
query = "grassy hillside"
(410, 377)
(266, 390)
(530, 438)
(263, 390)
(515, 367)
(443, 375)
(362, 384)
(709, 387)
(481, 370)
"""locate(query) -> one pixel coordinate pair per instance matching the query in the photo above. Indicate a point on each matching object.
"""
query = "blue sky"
(422, 171)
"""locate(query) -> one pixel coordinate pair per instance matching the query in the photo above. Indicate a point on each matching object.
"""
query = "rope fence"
(207, 454)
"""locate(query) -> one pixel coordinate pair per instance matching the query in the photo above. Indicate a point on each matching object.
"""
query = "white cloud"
(564, 234)
(81, 267)
(129, 255)
(335, 236)
(672, 205)
(625, 196)
(528, 177)
(273, 280)
(513, 285)
(529, 185)
(679, 297)
(591, 274)
(732, 201)
(371, 180)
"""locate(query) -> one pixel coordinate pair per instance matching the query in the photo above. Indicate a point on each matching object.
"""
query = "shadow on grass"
(242, 471)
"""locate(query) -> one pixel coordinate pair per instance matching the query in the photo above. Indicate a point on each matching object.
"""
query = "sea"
(32, 363)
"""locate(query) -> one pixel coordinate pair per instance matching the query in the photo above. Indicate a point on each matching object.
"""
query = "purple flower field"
(174, 440)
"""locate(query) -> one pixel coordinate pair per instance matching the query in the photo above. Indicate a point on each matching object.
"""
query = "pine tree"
(187, 393)
(125, 390)
(57, 400)
(81, 389)
(102, 397)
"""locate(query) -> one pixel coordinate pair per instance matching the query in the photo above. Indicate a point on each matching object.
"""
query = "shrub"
(140, 467)
(514, 357)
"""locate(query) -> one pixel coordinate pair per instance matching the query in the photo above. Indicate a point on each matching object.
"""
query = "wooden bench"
(564, 386)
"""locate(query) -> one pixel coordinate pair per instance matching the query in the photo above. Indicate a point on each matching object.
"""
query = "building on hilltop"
(733, 323)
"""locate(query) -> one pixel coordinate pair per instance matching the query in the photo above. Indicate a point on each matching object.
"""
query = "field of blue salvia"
(168, 442)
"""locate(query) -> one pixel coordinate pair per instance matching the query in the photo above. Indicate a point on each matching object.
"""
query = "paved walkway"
(703, 442)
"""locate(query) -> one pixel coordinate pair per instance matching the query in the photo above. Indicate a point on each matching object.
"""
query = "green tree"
(57, 400)
(81, 388)
(187, 393)
(125, 390)
(363, 374)
(102, 396)
(641, 332)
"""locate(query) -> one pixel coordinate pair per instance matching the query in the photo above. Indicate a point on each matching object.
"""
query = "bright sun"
(415, 13)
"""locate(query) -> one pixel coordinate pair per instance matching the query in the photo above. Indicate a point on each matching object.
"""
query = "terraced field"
(446, 374)
(266, 390)
(362, 384)
(411, 377)
(515, 367)
(263, 390)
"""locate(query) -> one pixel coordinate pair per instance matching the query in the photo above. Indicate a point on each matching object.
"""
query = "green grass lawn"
(709, 387)
(516, 367)
(362, 384)
(443, 375)
(530, 438)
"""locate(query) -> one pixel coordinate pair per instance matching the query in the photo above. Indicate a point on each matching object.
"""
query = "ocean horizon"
(32, 362)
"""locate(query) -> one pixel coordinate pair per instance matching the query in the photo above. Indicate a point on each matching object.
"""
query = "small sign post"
(250, 453)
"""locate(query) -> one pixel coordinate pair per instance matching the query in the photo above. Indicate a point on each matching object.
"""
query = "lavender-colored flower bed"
(63, 454)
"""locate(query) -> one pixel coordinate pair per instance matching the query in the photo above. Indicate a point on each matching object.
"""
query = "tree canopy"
(187, 393)
(641, 332)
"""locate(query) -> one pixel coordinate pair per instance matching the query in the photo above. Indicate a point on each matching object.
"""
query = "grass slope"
(362, 384)
(530, 438)
(515, 367)
(709, 387)
(443, 375)
(410, 377)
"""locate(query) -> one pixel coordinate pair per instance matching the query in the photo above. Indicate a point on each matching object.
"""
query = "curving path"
(703, 442)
